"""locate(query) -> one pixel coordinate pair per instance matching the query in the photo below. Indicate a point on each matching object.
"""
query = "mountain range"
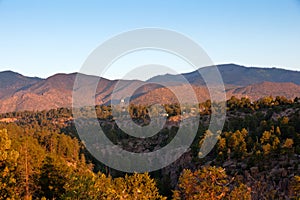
(18, 92)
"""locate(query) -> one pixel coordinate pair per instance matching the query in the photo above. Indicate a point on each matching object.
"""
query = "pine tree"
(8, 164)
(54, 174)
(208, 183)
(29, 165)
(136, 186)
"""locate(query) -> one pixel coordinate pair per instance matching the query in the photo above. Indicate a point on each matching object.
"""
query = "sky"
(41, 38)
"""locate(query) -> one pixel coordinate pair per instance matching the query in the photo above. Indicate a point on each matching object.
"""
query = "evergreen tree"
(8, 164)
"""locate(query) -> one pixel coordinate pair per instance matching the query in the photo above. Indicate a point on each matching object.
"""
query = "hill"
(18, 92)
(11, 82)
(238, 75)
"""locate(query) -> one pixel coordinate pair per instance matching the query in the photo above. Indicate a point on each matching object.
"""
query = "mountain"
(11, 82)
(240, 75)
(258, 90)
(233, 74)
(56, 91)
(18, 92)
(43, 94)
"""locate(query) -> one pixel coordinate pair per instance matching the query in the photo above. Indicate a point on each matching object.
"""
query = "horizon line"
(217, 65)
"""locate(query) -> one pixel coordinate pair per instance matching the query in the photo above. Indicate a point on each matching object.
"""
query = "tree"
(265, 137)
(295, 187)
(285, 120)
(269, 141)
(278, 132)
(136, 186)
(208, 183)
(275, 143)
(8, 164)
(266, 148)
(237, 142)
(222, 148)
(242, 192)
(87, 185)
(29, 165)
(288, 143)
(54, 174)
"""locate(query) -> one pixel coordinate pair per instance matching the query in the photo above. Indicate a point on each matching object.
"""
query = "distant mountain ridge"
(11, 82)
(233, 74)
(18, 92)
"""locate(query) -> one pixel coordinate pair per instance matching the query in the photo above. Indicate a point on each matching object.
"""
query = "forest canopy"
(257, 155)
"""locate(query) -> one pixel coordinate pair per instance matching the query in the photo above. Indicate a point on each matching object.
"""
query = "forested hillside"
(257, 155)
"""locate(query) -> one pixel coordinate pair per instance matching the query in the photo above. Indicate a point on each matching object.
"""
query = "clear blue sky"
(40, 38)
